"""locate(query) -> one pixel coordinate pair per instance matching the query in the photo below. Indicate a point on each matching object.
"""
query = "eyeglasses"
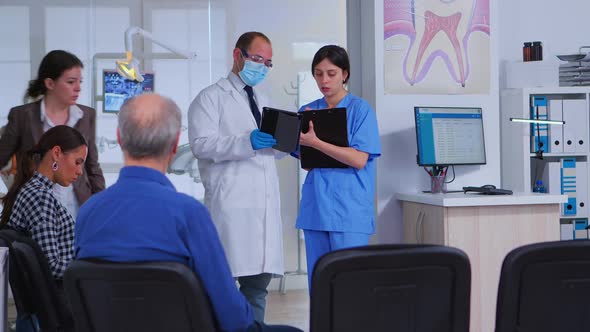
(256, 58)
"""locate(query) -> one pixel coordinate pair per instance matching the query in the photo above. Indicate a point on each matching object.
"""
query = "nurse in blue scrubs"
(337, 208)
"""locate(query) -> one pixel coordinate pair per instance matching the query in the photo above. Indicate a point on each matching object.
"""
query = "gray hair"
(150, 133)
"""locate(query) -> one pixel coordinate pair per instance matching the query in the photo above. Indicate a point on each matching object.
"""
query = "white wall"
(560, 25)
(15, 56)
(397, 170)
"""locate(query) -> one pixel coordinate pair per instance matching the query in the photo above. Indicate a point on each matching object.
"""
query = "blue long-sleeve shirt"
(143, 218)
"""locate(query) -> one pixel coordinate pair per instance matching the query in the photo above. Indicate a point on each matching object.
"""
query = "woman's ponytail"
(36, 88)
(27, 163)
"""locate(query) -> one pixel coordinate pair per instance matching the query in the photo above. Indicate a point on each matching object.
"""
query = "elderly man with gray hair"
(143, 218)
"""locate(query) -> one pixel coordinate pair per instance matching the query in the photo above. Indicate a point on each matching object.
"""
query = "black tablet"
(283, 125)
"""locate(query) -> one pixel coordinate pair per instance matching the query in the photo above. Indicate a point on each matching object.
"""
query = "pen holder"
(438, 184)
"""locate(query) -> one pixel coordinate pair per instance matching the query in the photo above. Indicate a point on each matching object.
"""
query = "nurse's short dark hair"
(336, 54)
(247, 38)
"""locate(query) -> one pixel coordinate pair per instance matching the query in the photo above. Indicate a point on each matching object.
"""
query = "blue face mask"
(253, 72)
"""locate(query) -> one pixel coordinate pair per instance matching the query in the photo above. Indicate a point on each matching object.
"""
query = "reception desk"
(486, 228)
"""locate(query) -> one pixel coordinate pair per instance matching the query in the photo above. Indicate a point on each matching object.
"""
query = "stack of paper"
(574, 73)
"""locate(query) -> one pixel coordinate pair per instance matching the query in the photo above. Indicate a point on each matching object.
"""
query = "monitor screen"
(449, 136)
(117, 89)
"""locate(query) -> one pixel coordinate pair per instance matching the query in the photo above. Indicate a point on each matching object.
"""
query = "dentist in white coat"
(237, 166)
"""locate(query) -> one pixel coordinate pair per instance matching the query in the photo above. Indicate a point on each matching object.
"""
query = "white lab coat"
(241, 184)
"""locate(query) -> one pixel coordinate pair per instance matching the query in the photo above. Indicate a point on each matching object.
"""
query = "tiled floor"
(291, 308)
(11, 313)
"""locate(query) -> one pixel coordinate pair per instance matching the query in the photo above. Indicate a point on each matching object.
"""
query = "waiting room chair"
(20, 293)
(545, 287)
(33, 286)
(145, 296)
(398, 288)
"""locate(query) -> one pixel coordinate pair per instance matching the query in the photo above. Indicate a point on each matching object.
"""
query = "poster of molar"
(436, 46)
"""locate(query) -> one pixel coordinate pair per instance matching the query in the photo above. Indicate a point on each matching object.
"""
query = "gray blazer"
(24, 129)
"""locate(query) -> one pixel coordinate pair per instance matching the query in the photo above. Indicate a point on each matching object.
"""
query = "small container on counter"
(537, 54)
(526, 52)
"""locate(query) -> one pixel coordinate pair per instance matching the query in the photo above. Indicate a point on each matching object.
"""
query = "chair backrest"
(545, 287)
(398, 288)
(23, 298)
(32, 282)
(144, 296)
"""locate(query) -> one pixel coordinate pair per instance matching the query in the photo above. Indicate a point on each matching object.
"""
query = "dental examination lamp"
(129, 68)
(185, 162)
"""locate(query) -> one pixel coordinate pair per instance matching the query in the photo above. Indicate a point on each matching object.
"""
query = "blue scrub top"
(341, 199)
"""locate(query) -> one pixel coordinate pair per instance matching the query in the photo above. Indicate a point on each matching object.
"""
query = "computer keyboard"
(487, 191)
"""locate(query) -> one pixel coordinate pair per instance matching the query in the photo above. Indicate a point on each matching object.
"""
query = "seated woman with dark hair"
(30, 206)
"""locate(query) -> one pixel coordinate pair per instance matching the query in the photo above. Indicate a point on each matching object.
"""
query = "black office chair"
(23, 299)
(545, 287)
(146, 296)
(33, 285)
(398, 288)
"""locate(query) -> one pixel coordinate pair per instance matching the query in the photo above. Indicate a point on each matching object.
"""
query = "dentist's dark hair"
(336, 54)
(247, 38)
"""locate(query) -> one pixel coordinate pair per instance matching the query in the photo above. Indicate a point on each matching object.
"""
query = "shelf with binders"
(571, 137)
(564, 176)
(522, 144)
(556, 154)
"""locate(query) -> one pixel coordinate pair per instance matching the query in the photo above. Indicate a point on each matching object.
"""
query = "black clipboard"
(284, 126)
(330, 126)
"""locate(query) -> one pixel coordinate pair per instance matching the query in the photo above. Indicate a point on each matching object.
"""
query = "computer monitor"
(117, 89)
(449, 136)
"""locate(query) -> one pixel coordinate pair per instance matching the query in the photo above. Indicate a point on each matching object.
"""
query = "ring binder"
(330, 125)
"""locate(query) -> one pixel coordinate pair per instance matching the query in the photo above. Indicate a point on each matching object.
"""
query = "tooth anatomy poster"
(436, 46)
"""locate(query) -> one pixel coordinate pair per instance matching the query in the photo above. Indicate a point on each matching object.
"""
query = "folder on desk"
(552, 178)
(580, 231)
(330, 126)
(575, 129)
(582, 189)
(284, 126)
(556, 131)
(539, 131)
(566, 229)
(569, 177)
(569, 186)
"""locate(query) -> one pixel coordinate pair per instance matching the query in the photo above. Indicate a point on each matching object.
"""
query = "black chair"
(34, 288)
(545, 287)
(391, 288)
(23, 299)
(146, 296)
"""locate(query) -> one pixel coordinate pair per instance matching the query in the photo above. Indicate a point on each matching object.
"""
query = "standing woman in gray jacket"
(57, 88)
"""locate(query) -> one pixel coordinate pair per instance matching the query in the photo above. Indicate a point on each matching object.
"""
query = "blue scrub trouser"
(319, 243)
(254, 289)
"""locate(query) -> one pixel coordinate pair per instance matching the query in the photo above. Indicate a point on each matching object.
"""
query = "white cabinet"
(486, 228)
(563, 165)
(424, 223)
